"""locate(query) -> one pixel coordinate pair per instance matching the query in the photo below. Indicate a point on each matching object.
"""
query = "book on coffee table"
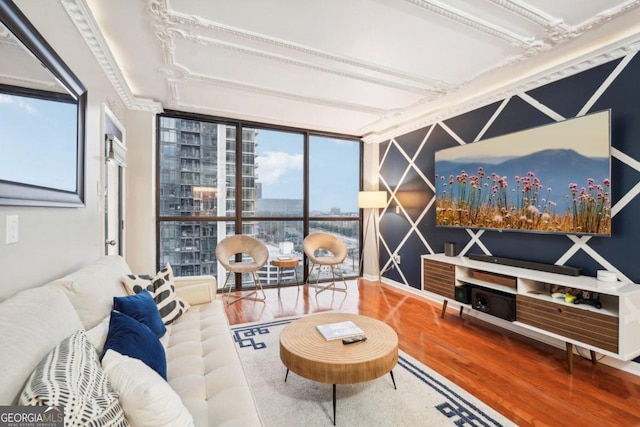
(338, 330)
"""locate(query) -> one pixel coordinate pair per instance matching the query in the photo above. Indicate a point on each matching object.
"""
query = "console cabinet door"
(599, 330)
(439, 278)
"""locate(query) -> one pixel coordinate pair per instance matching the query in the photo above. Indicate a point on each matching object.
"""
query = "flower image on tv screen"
(550, 179)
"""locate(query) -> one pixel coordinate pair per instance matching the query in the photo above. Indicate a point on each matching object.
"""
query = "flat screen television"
(549, 179)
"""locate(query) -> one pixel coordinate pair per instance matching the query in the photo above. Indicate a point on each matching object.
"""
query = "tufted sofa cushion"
(203, 367)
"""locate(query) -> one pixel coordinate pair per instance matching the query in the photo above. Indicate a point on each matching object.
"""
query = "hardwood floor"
(523, 379)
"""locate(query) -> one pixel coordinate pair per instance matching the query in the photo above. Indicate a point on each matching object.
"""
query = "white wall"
(55, 241)
(140, 219)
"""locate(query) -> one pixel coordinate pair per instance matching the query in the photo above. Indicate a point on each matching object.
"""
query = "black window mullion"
(360, 212)
(239, 196)
(305, 203)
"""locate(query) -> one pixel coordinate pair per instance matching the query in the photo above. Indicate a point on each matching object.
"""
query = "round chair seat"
(327, 260)
(245, 266)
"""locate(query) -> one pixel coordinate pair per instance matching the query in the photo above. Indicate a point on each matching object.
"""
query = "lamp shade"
(372, 199)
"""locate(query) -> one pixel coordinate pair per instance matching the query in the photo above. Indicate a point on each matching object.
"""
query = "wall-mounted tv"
(549, 179)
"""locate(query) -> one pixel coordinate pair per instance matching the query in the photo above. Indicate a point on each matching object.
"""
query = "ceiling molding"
(176, 73)
(242, 115)
(558, 31)
(622, 48)
(520, 8)
(186, 75)
(594, 22)
(166, 17)
(479, 24)
(205, 41)
(82, 18)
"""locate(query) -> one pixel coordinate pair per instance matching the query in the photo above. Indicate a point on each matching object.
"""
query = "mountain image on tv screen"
(551, 179)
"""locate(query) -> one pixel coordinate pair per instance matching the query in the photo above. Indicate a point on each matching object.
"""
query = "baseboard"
(626, 366)
(371, 278)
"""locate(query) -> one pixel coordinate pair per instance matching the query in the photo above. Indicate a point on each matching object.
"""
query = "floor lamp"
(372, 200)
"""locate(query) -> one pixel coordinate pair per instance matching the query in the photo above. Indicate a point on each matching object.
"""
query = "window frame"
(238, 217)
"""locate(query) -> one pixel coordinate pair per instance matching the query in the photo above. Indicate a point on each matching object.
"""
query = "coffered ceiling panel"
(370, 68)
(233, 103)
(214, 64)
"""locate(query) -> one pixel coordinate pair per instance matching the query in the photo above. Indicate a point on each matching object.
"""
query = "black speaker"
(450, 249)
(495, 303)
(549, 268)
(463, 294)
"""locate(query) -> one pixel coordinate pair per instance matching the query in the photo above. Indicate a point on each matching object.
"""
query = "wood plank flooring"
(523, 379)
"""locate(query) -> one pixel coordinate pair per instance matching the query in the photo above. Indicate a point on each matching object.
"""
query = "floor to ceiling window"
(334, 181)
(291, 183)
(278, 216)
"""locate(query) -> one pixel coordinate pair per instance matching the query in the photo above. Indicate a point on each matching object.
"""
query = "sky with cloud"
(334, 175)
(38, 142)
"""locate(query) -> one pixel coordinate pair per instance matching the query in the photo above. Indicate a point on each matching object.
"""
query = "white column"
(140, 218)
(370, 178)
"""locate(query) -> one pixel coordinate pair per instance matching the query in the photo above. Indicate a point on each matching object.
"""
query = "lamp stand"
(364, 240)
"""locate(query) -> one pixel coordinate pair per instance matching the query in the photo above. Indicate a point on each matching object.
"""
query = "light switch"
(12, 229)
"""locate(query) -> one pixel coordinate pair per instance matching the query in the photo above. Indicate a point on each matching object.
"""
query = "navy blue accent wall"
(412, 232)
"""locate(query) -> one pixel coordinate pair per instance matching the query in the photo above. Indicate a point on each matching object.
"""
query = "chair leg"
(333, 278)
(332, 285)
(228, 295)
(258, 286)
(317, 284)
(342, 277)
(318, 287)
(310, 273)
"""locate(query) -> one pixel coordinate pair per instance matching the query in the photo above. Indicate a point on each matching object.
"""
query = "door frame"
(113, 128)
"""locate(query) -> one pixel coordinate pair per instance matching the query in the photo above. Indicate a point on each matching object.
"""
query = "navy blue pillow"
(129, 337)
(143, 308)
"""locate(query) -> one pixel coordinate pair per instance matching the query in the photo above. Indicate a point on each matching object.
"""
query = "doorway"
(114, 167)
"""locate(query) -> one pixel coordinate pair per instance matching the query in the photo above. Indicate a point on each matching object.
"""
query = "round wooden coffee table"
(304, 351)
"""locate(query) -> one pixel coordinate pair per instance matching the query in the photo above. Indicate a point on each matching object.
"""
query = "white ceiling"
(372, 68)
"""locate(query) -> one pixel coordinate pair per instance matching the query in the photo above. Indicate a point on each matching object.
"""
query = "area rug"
(422, 398)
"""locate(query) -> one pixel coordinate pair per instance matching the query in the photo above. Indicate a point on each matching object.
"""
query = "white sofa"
(203, 365)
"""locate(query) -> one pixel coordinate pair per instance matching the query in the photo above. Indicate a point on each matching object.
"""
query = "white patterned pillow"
(162, 290)
(71, 376)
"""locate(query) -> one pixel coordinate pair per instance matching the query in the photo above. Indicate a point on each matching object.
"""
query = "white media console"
(523, 296)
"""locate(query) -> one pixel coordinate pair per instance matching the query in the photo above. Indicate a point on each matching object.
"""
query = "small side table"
(281, 264)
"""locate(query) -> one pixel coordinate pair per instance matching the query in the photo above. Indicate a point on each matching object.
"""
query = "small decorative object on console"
(606, 276)
(588, 297)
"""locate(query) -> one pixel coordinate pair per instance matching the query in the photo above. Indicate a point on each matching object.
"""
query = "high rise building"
(197, 179)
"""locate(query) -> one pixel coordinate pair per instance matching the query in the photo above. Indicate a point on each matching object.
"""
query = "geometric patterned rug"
(422, 398)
